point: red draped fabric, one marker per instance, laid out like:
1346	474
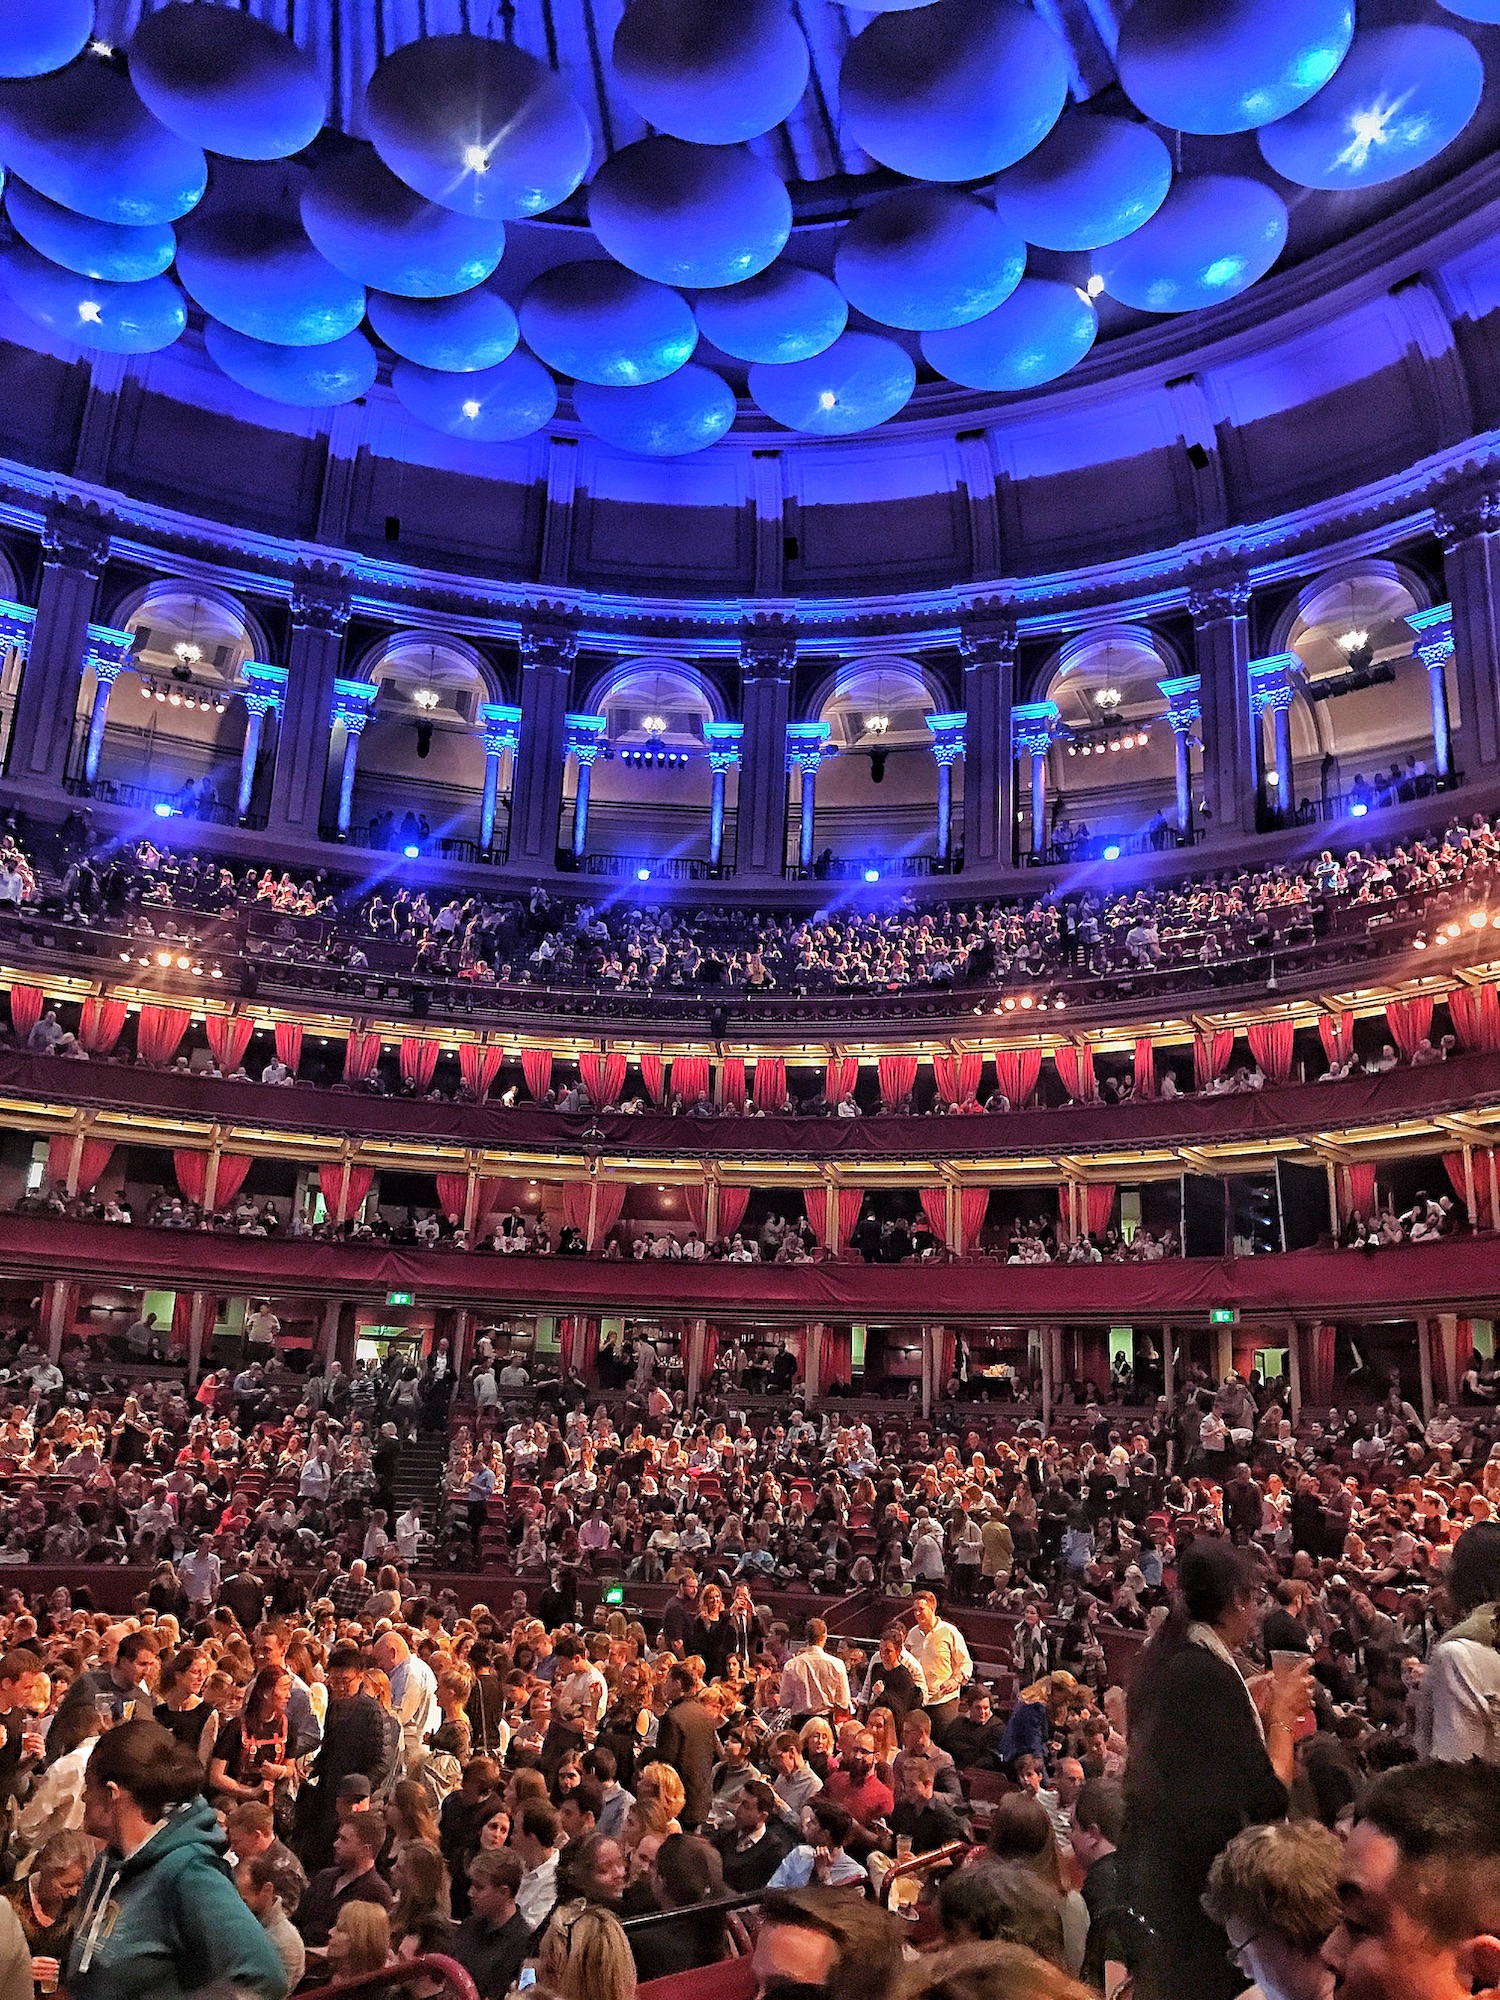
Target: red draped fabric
1453	1356
1480	1215
1145	1067
94	1158
102	1025
1476	1017
1317	1367
733	1201
418	1056
731	1079
816	1202
1271	1045
289	1044
973	1211
1076	1068
345	1190
958	1076
1336	1032
1409	1022
1016	1073
25	1010
536	1067
1211	1055
695	1197
233	1167
1101	1206
578	1339
479	1066
192	1174
835	1358
1357	1190
948	1358
361	1053
158	1033
608	1205
935	1208
690	1079
453	1194
770	1082
654	1077
840	1074
575	1205
228	1038
897	1075
603	1077
1065	1210
833	1214
710	1349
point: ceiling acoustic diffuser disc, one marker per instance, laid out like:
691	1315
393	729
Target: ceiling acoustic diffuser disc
380	232
1091	181
309	378
475	330
226	81
690	215
598	322
495	406
1212	237
85	140
479	126
117	319
1041	331
714	71
1230	65
41	35
123	253
955	91
857	383
786	314
687	412
928	257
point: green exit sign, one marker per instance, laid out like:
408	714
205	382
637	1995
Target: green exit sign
401	1298
1224	1316
614	1594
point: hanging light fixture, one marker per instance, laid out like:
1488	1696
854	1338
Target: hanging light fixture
1354	641
427	697
878	723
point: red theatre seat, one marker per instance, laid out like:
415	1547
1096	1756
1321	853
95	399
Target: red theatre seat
730	1979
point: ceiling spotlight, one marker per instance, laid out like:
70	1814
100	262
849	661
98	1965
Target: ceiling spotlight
1478	919
471	408
1112	852
216	972
827	401
872	874
1095	285
426	697
164	958
1143	737
1358	809
477	159
1108	697
1072	749
1367	130
183	964
159	693
643	874
411	851
101	48
1114	742
1059	1003
1419	942
1087	750
88	310
1026	1001
174	699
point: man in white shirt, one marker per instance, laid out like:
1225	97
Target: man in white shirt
408	1535
199	1575
261	1329
536	1839
813	1682
413	1695
939	1650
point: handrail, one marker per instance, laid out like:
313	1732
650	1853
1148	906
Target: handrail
920	1864
399	1972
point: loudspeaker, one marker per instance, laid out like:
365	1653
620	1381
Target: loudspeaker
424	738
1197	457
421	1001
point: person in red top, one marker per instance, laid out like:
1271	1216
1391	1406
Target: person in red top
854	1786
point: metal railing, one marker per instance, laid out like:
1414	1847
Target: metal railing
408	1972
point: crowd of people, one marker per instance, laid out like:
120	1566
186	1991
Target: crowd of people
1185	1694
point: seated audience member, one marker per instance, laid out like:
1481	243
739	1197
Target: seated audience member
1274	1893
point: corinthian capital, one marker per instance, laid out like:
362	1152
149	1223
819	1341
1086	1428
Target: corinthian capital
987	633
768	646
75	534
320	597
548	637
1218	593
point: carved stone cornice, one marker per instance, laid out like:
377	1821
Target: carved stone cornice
768	646
1217	591
75	535
320	598
549	637
988	633
1459	516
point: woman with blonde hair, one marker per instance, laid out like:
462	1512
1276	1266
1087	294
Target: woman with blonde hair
360	1941
588	1958
661	1782
410	1816
881	1724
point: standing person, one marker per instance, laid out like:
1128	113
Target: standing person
940	1651
413	1696
1208	1757
353	1745
159	1915
687	1739
1459	1694
813	1682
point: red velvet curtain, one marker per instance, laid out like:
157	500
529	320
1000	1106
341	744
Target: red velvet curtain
289	1044
770	1082
1101	1205
690	1079
361	1053
947	1358
344	1190
1145	1067
418	1056
958	1076
1271	1045
603	1077
1016	1073
536	1068
1317	1369
654	1077
1336	1032
575	1205
1480	1215
935	1208
1409	1022
94	1158
835	1358
578	1338
192	1174
1453	1357
25	1010
159	1031
233	1167
897	1075
733	1201
608	1206
731	1079
479	1066
1076	1068
453	1194
102	1024
228	1038
833	1214
973	1211
1357	1190
1211	1055
840	1074
1476	1017
816	1202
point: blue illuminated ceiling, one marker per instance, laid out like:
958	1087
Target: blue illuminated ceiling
1132	160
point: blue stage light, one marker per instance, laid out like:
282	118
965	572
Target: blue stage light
411	852
1112	853
872	874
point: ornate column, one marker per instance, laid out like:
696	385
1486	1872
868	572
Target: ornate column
805	745
1033	726
549	646
353	702
987	644
16	624
1220	604
320	612
263	692
501	731
583	741
723	740
1434	648
75	548
108	653
768	653
947	748
1183	710
1469	529
1273	685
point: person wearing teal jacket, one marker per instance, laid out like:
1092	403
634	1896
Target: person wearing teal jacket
159	1915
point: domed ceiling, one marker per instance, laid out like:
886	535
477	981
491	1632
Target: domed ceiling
676	211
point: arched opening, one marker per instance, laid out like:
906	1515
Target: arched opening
876	790
652	784
420	755
1112	769
1363	718
170	730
